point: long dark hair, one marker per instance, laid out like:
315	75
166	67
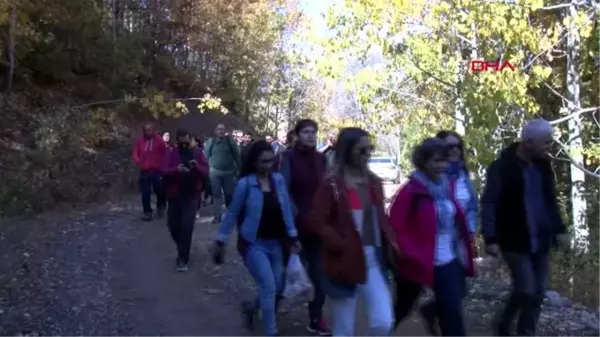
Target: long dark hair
461	144
346	141
256	149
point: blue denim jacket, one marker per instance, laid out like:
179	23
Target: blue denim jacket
248	193
471	209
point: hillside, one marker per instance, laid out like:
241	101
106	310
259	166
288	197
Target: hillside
55	155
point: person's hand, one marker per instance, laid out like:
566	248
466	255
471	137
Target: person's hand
296	247
193	162
182	169
492	250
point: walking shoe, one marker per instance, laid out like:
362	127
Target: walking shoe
147	217
427	312
216	221
248	314
181	267
318	327
160	213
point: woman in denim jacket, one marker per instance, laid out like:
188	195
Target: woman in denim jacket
266	233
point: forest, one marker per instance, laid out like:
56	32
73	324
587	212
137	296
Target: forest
78	75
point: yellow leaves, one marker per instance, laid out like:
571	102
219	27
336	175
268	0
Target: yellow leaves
543	72
157	103
211	103
536	4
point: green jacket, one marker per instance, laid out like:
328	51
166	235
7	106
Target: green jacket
223	155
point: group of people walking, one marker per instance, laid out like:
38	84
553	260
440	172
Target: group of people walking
328	207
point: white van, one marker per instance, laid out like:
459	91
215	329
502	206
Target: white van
386	169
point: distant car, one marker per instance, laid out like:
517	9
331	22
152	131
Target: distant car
385	168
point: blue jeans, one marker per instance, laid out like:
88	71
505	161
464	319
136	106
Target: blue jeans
449	288
222	187
264	260
148	182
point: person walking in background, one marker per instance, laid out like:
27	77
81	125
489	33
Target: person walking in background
278	147
521	220
262	210
348	217
185	171
245	145
290	139
166	136
223	157
303	169
434	242
148	154
329	149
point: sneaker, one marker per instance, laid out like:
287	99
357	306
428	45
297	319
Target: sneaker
318	327
160	213
147	217
248	314
181	267
216	221
427	312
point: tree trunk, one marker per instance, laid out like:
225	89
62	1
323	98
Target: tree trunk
578	202
12	27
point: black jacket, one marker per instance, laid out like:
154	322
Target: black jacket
503	214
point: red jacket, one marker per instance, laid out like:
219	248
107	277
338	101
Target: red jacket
149	154
331	220
172	176
413	218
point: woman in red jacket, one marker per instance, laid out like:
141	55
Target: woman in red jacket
348	217
434	243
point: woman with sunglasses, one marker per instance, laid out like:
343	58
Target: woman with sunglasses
434	242
348	218
262	210
458	174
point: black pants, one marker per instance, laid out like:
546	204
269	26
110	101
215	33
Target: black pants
529	273
310	255
148	182
449	287
181	215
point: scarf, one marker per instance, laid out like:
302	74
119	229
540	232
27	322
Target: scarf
439	189
444	206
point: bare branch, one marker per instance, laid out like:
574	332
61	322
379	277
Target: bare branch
548	8
574	114
574	163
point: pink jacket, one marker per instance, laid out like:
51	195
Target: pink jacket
413	218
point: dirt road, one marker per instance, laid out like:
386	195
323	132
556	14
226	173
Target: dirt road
101	271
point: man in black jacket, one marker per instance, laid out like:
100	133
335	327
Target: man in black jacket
521	220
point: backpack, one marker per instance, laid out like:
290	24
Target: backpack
212	145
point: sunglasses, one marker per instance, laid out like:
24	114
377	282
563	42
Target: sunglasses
366	150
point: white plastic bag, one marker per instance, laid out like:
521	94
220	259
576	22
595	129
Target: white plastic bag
297	283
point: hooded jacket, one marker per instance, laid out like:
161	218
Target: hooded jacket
149	153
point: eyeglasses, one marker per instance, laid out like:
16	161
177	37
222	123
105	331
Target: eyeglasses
366	150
